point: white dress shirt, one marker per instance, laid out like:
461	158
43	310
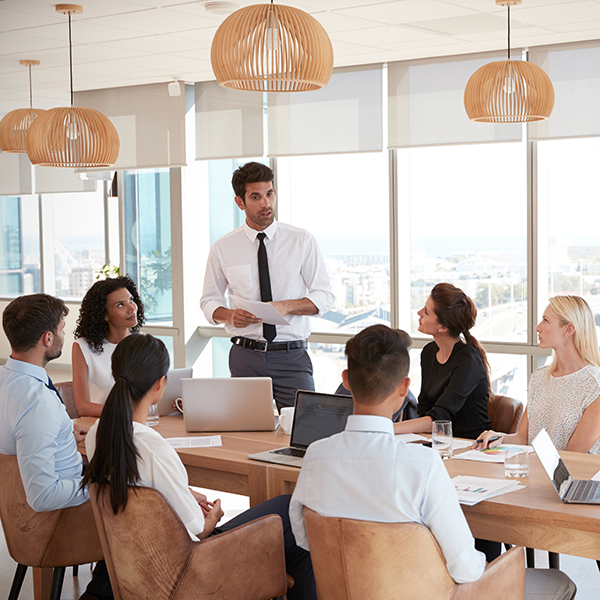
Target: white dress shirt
296	270
161	468
35	426
366	473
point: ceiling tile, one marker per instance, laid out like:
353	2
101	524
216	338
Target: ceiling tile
381	35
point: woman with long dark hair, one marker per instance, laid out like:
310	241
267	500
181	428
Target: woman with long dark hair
455	382
124	452
110	311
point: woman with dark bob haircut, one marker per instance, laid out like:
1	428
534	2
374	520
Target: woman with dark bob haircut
110	311
124	452
455	382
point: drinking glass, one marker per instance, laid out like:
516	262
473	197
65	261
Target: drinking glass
152	418
441	437
516	462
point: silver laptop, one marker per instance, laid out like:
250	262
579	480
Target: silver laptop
316	416
579	491
228	404
172	391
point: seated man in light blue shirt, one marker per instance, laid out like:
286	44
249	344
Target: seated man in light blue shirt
366	473
34	424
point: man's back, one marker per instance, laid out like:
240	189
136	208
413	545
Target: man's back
366	473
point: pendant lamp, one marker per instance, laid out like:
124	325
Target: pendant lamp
15	124
72	136
509	91
271	48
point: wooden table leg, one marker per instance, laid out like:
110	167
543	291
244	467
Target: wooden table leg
42	582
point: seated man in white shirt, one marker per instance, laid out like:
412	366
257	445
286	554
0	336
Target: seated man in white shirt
367	461
34	424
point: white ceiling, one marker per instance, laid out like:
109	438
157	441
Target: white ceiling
131	42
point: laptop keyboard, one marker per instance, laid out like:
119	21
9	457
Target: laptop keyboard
586	490
297	452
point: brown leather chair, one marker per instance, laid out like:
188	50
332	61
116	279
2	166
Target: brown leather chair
149	553
505	413
55	539
65	389
367	560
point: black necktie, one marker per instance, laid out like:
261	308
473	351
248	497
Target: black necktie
269	331
51	386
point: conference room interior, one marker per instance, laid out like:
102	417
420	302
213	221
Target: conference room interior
382	166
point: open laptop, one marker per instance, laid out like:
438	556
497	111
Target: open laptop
172	391
228	404
316	416
580	491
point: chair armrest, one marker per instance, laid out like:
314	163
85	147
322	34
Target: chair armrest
242	564
503	579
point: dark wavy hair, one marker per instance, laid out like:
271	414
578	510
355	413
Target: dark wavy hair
378	361
252	172
91	323
138	362
457	312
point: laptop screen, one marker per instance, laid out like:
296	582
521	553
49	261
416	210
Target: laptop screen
318	416
552	462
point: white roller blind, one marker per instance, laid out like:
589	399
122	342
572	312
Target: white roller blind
51	180
345	116
16	174
426	106
150	123
229	123
575	73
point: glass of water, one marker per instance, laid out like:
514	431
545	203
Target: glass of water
152	418
516	462
441	438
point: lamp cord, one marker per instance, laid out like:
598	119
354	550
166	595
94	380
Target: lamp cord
30	92
508	6
71	59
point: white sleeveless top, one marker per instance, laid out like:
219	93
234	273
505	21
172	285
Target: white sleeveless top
99	371
558	403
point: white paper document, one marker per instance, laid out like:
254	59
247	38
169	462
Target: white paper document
596	477
458	444
264	311
471	490
491	455
207	441
411	437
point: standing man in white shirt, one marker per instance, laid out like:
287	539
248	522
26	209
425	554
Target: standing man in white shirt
264	260
366	473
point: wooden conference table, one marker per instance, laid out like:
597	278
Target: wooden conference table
532	517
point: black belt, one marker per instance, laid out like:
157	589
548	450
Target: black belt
265	346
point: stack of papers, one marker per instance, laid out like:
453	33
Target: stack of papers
493	455
207	441
471	490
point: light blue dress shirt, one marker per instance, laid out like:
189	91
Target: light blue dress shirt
35	426
366	473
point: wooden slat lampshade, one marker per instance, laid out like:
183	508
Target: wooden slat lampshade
73	137
273	48
15	124
509	91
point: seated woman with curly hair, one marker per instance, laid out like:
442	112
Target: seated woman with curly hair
110	311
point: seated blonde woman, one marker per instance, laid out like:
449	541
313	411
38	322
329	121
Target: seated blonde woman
563	397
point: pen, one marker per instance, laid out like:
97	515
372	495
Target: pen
492	439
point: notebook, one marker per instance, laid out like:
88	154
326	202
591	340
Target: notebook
579	491
316	416
228	404
172	391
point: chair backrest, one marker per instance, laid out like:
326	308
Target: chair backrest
57	538
65	389
364	560
146	546
505	413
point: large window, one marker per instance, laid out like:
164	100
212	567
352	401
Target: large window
147	201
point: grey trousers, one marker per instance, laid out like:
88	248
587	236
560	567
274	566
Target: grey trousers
548	584
290	370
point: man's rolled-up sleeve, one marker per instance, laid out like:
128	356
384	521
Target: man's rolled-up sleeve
215	286
316	278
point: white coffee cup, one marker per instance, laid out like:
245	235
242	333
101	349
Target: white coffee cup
286	418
